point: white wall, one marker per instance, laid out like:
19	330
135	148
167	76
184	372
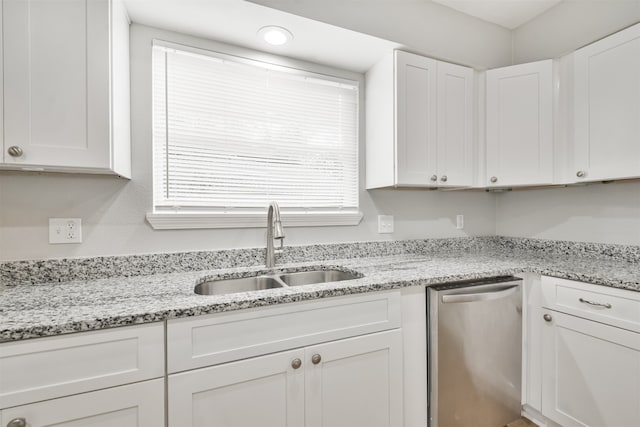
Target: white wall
570	25
605	213
421	25
113	210
596	213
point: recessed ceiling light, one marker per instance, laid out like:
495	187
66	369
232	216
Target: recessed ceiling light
276	36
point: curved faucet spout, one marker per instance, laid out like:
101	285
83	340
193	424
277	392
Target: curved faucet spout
274	231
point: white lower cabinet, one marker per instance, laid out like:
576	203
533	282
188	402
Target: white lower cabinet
590	369
48	368
591	373
351	382
532	344
133	405
112	377
260	391
357	382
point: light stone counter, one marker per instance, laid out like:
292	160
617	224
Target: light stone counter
95	301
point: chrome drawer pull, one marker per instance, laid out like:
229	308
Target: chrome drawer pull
599	304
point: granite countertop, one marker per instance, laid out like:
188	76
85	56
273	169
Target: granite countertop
46	309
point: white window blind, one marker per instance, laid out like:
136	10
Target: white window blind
234	134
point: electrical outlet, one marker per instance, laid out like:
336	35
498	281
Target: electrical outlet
459	222
385	224
65	230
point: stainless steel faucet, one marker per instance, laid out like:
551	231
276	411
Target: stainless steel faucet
274	231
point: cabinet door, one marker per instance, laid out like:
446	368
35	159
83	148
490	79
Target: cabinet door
134	405
455	126
519	125
56	82
607	108
532	343
415	120
356	382
591	373
265	391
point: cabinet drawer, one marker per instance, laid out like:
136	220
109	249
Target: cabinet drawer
218	338
46	368
617	307
133	405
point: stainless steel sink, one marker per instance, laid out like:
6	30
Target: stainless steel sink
318	276
271	281
242	284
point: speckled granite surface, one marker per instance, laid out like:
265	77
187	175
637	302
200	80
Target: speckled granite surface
62	270
35	310
599	251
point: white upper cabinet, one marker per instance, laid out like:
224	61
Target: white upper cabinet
520	125
415	120
419	123
66	86
607	108
455	165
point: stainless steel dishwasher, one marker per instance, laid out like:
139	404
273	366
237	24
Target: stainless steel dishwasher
475	353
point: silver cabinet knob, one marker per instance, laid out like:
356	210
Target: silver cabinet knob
581	174
443	178
547	317
494	179
434	178
315	359
296	363
17	422
15	151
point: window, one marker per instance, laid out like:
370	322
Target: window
232	134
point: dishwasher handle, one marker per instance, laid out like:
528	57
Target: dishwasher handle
495	293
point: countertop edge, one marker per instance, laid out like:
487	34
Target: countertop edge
264	299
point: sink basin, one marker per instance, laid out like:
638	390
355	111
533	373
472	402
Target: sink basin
318	276
271	281
242	284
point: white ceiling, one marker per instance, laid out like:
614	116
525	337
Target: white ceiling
506	13
237	22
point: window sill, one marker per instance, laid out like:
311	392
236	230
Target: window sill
193	220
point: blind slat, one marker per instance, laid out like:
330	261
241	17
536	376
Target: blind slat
238	135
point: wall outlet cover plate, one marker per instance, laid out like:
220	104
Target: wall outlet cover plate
65	230
385	224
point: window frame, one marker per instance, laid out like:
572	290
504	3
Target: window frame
195	218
